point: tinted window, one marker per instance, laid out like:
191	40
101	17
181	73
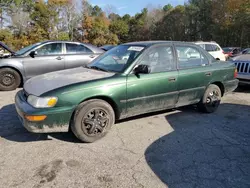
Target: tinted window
77	49
50	49
190	57
227	49
209	47
159	59
246	51
215	47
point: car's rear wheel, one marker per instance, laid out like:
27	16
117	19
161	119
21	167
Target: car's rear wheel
9	79
92	120
211	99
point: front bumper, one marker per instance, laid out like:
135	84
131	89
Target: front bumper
57	119
231	85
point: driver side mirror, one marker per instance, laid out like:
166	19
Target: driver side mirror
142	69
33	54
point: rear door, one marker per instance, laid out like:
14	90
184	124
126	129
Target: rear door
156	90
49	58
194	74
77	55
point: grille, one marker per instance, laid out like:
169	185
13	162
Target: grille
243	67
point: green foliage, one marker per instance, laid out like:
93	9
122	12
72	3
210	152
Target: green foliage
167	7
63	36
120	28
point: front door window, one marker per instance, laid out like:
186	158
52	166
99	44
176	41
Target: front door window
159	59
50	49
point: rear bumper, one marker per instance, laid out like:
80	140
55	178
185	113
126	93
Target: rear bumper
244	78
231	85
243	81
57	119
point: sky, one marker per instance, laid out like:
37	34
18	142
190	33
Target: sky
133	6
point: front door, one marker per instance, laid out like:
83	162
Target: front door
194	74
78	55
156	90
49	58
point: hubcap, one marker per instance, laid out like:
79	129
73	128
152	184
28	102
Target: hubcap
213	99
8	79
95	122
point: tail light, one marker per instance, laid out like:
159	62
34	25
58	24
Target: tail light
235	73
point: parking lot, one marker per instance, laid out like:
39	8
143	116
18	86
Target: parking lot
175	148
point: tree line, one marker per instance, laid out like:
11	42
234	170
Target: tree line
24	22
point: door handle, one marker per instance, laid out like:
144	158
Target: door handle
208	73
91	56
172	79
59	58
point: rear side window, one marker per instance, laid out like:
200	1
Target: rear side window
76	49
209	47
189	57
215	47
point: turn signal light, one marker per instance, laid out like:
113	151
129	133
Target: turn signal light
235	73
35	118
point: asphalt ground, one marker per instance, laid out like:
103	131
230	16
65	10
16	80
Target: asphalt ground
178	148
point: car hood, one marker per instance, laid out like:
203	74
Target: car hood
41	84
7	48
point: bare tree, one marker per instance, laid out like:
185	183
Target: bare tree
109	9
70	16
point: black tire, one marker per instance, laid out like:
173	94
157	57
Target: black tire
9	79
210	100
92	115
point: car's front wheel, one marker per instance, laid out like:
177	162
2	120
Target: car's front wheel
92	120
9	79
211	99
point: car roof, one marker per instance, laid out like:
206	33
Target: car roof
201	42
231	47
92	47
154	42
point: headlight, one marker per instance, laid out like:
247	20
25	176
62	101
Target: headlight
42	102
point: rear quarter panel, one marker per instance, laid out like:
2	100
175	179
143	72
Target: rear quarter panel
222	72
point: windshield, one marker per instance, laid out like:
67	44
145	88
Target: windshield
27	48
118	58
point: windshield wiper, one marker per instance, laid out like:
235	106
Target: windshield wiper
98	68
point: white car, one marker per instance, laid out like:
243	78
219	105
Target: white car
214	49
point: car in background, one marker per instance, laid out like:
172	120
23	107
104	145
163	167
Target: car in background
231	51
245	51
213	48
43	57
107	47
242	62
157	75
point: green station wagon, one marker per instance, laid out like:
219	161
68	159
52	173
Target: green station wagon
130	79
